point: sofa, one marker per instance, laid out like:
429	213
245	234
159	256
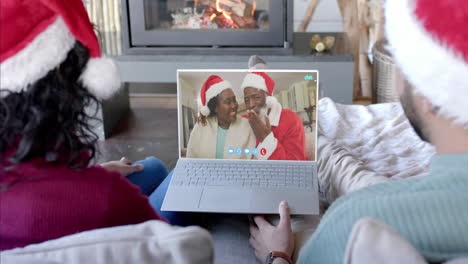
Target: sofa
357	146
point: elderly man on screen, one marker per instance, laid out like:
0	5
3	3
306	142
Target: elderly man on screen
279	132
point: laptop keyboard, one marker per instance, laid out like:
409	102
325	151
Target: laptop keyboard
255	174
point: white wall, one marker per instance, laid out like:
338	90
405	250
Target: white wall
326	18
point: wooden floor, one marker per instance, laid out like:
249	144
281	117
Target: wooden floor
143	132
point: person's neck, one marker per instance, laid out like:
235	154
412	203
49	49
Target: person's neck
223	124
450	139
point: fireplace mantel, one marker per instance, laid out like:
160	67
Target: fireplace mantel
336	67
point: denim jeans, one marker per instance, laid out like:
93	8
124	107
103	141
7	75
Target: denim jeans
153	181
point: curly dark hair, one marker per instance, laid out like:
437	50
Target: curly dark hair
212	104
50	118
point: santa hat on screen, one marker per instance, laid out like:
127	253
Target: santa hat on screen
35	38
262	81
428	40
213	86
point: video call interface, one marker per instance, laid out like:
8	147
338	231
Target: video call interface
238	114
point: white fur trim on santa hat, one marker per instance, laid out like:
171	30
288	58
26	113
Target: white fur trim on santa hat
255	81
44	53
101	77
212	92
205	111
216	89
270	101
275	110
434	69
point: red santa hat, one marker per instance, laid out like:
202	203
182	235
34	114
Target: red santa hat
213	86
36	36
428	40
261	81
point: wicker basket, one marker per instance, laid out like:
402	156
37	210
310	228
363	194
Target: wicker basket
383	75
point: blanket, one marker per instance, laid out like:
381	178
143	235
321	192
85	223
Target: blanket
360	146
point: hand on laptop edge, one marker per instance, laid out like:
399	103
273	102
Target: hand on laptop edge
265	238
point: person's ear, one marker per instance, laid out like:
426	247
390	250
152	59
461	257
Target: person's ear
426	105
427	108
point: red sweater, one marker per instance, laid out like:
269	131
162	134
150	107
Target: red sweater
56	201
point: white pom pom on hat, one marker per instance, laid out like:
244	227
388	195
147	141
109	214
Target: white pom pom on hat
36	36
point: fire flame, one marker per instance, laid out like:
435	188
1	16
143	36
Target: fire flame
226	16
254	7
225	13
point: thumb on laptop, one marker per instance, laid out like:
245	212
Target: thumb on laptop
284	212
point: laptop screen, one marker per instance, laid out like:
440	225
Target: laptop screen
248	114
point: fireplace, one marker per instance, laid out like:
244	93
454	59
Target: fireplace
207	26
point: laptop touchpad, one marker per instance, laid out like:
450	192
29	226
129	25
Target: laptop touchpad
225	199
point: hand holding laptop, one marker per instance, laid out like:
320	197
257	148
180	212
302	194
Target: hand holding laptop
266	238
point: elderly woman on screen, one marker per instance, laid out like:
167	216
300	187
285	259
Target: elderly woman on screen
226	131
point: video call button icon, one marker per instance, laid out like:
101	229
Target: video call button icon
246	151
231	151
239	151
255	151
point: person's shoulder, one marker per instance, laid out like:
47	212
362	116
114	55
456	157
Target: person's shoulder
244	121
110	180
394	191
211	122
287	112
62	175
94	175
289	116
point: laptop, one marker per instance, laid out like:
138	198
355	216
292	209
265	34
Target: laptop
239	179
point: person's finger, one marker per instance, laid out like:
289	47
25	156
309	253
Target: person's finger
253	231
267	122
129	169
137	167
253	242
125	161
251	122
254	115
284	212
261	222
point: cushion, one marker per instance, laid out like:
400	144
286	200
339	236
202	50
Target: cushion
149	242
372	241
